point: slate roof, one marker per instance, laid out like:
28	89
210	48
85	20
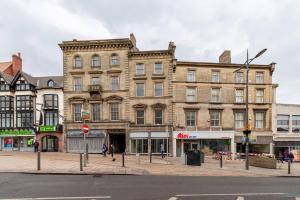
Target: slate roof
42	82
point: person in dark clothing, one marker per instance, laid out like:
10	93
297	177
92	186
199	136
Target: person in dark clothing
162	150
36	146
104	149
112	147
291	156
280	157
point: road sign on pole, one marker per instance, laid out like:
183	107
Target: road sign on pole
85	129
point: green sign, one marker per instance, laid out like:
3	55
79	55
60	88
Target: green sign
85	115
16	132
47	128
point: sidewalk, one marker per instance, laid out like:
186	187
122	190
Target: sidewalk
66	163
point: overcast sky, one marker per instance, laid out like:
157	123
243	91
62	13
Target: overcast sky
201	30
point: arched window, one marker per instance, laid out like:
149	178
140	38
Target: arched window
50	83
77	62
114	59
96	61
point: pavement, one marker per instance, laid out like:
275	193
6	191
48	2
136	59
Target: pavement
67	163
17	186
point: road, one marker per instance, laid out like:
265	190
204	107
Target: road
59	187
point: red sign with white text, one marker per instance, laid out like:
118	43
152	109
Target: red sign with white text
182	135
85	128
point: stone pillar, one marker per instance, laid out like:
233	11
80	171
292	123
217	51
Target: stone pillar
233	148
271	148
174	147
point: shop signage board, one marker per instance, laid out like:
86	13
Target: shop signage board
85	115
47	128
16	132
203	134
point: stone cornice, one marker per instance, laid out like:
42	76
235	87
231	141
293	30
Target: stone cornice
151	53
212	65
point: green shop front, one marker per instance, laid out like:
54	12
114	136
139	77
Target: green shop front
50	138
16	140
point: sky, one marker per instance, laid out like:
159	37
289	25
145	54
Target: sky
201	30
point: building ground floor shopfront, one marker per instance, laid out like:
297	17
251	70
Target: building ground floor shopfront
50	139
210	141
284	145
16	140
145	142
259	143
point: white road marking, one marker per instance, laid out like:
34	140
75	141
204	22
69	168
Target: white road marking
232	194
173	198
61	198
240	198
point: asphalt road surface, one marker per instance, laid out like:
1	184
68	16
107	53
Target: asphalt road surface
89	187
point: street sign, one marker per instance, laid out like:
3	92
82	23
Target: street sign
85	115
85	129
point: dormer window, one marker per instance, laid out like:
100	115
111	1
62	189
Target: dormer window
50	83
3	85
114	60
77	62
96	61
22	84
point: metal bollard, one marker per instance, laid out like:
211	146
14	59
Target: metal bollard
87	152
200	158
289	166
221	161
150	156
123	159
38	160
81	167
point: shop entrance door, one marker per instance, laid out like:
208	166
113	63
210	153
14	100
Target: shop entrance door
187	146
16	144
50	143
118	140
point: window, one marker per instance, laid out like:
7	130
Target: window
22	84
158	68
6	111
114	111
156	143
239	119
77	84
95	81
139	145
25	119
215	76
24	102
50	83
115	83
215	118
259	96
77	112
114	59
95	107
259	77
259	119
215	94
6	103
6	120
139	69
3	85
191	76
51	117
296	123
140	116
158	89
239	77
140	89
95	61
283	123
158	116
191	94
239	95
190	118
77	62
51	101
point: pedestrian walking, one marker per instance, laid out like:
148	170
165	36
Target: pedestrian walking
112	147
162	151
280	157
104	149
291	156
36	146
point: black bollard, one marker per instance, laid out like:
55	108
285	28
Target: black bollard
87	152
289	166
123	159
221	161
38	160
150	156
80	159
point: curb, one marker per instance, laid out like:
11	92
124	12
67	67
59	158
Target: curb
73	173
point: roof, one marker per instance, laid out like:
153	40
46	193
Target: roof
42	82
4	66
6	77
28	78
189	63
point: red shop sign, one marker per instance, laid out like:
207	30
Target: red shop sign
182	135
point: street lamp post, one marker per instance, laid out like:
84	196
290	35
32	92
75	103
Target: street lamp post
247	129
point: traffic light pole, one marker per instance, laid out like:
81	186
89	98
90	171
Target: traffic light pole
247	114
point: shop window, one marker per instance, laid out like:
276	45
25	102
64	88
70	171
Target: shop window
296	123
283	122
139	145
155	145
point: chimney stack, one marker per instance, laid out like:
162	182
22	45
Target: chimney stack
16	63
225	57
133	40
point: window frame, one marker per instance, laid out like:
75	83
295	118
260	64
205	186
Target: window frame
161	90
188	77
114	59
239	79
158	117
282	127
218	96
77	116
77	59
77	87
191	95
189	121
241	98
54	99
93	61
212	120
95	116
257	80
259	99
139	72
162	68
137	117
218	72
243	113
116	111
115	86
54	117
263	120
137	89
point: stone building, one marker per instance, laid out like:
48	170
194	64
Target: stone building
121	89
209	101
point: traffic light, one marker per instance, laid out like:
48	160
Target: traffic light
247	132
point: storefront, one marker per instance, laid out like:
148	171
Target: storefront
258	144
146	142
286	145
50	139
95	139
213	141
17	140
